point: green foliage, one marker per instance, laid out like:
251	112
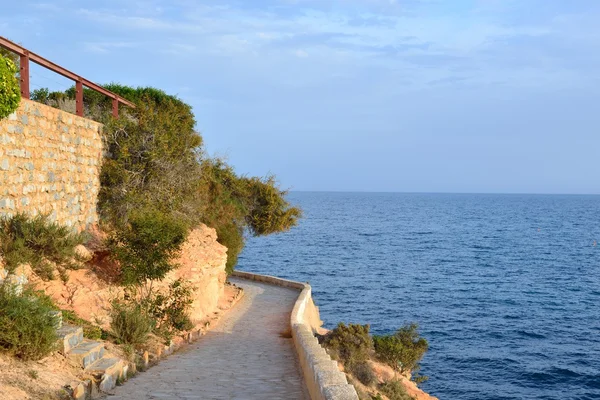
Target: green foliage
231	236
155	159
37	241
403	350
394	390
146	246
40	95
27	329
152	162
351	344
267	210
14	57
232	204
170	309
130	323
363	372
10	92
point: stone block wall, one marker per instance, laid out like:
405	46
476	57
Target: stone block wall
50	163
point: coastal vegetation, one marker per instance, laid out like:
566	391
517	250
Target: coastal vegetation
27	324
42	244
354	347
130	323
394	390
403	350
157	183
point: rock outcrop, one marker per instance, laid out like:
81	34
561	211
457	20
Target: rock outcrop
201	263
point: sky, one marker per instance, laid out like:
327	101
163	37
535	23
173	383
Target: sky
498	96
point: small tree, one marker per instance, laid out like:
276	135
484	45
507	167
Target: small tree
146	247
403	350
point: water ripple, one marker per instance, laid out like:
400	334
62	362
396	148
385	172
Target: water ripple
505	287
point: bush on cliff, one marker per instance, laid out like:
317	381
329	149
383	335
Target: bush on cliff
170	309
152	161
146	247
38	242
155	158
10	92
403	350
27	327
352	345
349	343
234	205
394	390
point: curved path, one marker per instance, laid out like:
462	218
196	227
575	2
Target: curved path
243	357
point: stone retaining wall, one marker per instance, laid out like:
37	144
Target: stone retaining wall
322	376
50	163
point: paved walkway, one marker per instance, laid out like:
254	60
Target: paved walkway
242	358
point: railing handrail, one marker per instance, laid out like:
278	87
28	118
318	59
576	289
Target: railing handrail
26	56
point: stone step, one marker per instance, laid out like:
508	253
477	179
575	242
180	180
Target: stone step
86	353
69	337
109	370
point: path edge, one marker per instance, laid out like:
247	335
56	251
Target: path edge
322	376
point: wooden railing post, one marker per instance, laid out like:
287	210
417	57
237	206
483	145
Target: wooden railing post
24	72
79	98
115	106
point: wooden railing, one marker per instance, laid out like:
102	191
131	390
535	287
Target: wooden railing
25	56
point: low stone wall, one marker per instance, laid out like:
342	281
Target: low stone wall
322	376
50	163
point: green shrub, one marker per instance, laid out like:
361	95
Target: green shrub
363	372
156	159
130	323
27	329
152	160
40	95
403	350
170	309
146	247
38	242
233	204
231	236
394	390
268	211
351	344
10	92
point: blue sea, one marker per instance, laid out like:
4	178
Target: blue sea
506	288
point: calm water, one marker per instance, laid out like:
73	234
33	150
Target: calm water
506	288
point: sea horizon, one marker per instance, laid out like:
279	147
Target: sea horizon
453	193
504	287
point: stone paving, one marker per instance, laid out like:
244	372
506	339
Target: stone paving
243	357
